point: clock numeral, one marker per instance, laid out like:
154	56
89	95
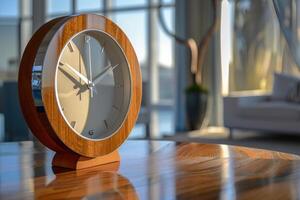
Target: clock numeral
73	123
71	49
91	132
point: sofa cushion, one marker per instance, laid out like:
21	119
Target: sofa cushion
283	85
294	95
271	110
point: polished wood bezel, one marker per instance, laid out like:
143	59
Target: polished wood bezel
61	131
37	121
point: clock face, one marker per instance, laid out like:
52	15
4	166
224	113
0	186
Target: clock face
93	85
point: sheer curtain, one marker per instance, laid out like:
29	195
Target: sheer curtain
265	38
288	16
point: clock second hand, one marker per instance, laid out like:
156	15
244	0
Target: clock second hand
103	73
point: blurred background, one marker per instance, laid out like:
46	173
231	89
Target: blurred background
246	48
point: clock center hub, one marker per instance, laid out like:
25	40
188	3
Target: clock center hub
91	85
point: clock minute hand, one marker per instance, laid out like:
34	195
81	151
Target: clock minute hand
85	79
103	73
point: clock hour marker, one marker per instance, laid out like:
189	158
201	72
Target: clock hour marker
106	124
102	49
115	107
87	38
70	47
73	123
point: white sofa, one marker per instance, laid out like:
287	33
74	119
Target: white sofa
278	111
257	112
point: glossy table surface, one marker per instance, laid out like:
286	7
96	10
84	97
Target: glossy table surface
153	170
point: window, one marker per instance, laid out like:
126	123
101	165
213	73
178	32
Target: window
15	31
9	14
8	39
9	8
132	3
166	58
88	5
58	7
134	25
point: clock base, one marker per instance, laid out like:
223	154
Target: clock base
79	162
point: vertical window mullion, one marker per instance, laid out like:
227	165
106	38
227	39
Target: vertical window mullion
38	14
25	23
73	6
108	4
153	78
20	15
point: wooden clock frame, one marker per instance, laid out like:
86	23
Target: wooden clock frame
49	126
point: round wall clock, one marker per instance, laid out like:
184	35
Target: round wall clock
80	88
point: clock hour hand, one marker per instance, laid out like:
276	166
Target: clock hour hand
85	79
104	72
77	84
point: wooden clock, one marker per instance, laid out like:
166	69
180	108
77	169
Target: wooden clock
80	89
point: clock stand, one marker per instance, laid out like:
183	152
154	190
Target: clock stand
73	161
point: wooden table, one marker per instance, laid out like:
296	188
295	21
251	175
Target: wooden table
153	170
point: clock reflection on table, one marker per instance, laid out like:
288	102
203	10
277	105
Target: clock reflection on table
101	182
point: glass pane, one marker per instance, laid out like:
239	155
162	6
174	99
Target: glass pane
89	5
162	123
134	26
139	131
12	124
166	57
168	1
26	32
9	40
166	122
126	3
9	8
58	6
165	43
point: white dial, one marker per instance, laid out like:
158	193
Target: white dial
93	85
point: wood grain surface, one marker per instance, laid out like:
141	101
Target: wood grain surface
61	136
153	170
